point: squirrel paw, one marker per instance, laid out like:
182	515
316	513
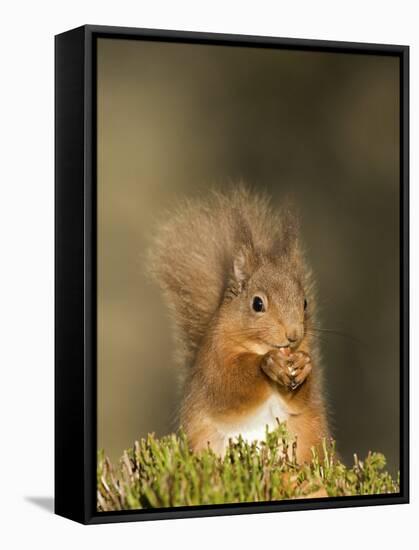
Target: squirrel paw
287	370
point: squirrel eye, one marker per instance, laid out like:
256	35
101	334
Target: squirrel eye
305	304
258	304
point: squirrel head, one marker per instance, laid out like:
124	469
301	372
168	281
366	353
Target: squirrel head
266	304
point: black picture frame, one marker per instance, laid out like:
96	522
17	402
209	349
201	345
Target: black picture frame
75	273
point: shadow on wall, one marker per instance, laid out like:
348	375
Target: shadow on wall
45	503
176	119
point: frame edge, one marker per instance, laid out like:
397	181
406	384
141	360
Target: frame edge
69	275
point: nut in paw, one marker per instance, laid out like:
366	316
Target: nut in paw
288	369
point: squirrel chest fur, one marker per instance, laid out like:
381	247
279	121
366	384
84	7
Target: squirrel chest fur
251	426
242	301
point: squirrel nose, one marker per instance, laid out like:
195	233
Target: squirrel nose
292	334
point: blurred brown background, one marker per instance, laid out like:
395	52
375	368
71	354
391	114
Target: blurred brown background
175	119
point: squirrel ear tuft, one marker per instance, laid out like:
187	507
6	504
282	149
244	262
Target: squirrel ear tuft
290	233
288	244
242	265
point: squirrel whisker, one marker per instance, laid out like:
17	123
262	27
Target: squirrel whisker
339	333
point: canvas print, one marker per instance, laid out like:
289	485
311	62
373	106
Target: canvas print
248	274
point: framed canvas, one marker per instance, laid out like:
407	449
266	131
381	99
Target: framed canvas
231	274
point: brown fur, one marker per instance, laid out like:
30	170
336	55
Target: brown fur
211	258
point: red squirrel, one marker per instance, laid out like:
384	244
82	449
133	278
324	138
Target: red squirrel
242	300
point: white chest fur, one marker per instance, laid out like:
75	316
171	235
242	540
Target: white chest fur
253	426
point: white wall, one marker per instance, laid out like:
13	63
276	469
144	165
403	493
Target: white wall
26	273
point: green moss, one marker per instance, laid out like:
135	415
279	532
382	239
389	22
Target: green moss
165	472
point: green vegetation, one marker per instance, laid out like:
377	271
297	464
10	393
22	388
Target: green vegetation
164	472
